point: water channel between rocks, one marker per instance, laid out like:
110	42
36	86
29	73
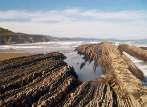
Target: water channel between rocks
86	72
73	59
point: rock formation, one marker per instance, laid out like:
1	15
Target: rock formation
46	80
145	48
35	80
122	79
135	51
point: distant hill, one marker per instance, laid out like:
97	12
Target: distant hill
10	37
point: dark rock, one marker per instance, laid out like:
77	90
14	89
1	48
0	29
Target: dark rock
31	80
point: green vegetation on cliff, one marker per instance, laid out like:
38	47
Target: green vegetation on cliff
9	37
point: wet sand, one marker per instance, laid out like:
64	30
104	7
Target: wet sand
13	54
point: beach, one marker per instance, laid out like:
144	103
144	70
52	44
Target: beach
11	54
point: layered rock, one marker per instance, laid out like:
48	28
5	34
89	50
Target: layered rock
145	48
135	51
122	78
35	80
46	80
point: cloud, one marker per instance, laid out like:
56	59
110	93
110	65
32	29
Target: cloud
77	22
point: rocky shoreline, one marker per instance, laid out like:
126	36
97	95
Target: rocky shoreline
120	74
46	80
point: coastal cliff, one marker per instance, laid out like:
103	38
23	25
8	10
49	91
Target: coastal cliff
9	37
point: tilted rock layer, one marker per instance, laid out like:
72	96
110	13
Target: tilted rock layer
121	77
135	51
35	80
46	80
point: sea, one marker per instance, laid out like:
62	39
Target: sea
73	59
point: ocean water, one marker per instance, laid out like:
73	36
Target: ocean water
73	59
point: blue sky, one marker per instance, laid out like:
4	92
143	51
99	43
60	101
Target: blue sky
85	4
122	19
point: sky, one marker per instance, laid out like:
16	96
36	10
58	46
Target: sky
120	19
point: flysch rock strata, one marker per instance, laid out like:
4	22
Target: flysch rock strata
45	80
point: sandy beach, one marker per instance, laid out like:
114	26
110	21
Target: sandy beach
12	54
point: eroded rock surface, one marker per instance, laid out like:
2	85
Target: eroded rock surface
47	81
135	51
43	79
121	77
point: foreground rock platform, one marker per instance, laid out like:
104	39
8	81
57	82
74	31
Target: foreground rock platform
122	80
45	80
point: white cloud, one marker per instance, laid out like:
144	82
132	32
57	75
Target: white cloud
76	22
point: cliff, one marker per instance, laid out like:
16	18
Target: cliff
9	37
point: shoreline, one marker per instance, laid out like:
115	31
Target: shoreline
5	55
47	80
